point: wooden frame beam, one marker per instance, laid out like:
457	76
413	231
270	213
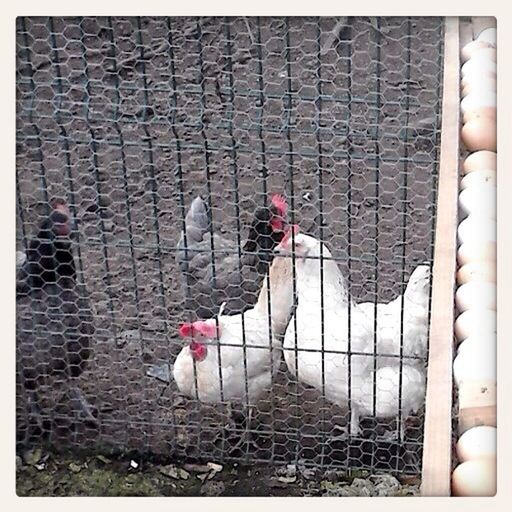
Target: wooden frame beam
437	450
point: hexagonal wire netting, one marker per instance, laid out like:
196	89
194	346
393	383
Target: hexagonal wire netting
128	120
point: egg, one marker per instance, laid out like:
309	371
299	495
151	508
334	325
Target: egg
469	49
475	478
479	66
480	160
474	364
476	322
477	229
488	36
471	252
479	201
479	85
485	342
480	133
476	295
477	271
477	442
476	345
475	75
480	113
478	178
475	101
484	54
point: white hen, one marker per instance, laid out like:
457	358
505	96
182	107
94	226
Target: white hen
413	326
323	365
326	364
262	351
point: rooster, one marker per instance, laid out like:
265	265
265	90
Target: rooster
316	343
245	348
236	284
54	321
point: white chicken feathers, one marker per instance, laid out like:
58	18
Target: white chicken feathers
415	318
262	348
304	331
388	400
303	339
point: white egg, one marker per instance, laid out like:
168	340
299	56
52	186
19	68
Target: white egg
488	36
478	85
475	101
471	252
475	477
477	442
474	365
476	323
478	178
469	49
476	345
477	271
479	201
476	228
482	66
484	54
477	75
476	295
479	160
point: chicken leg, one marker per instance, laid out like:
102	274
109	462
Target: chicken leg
245	437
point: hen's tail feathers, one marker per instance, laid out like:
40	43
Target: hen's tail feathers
196	225
417	290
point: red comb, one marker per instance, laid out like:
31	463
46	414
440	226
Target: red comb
186	330
280	203
287	235
207	328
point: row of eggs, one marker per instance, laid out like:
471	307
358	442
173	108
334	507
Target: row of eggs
475	297
478	85
475	327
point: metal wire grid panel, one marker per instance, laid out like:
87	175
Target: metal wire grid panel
130	119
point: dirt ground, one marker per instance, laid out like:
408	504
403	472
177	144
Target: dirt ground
79	475
130	119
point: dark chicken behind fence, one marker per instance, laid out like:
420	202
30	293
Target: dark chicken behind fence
237	287
49	253
54	325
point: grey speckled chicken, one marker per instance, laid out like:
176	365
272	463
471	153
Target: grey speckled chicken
54	323
235	285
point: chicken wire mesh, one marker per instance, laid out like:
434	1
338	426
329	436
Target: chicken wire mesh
128	120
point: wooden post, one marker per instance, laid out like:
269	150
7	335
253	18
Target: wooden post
437	450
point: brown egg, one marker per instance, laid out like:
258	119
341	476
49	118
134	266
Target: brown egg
480	113
480	160
480	134
471	252
468	50
475	477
